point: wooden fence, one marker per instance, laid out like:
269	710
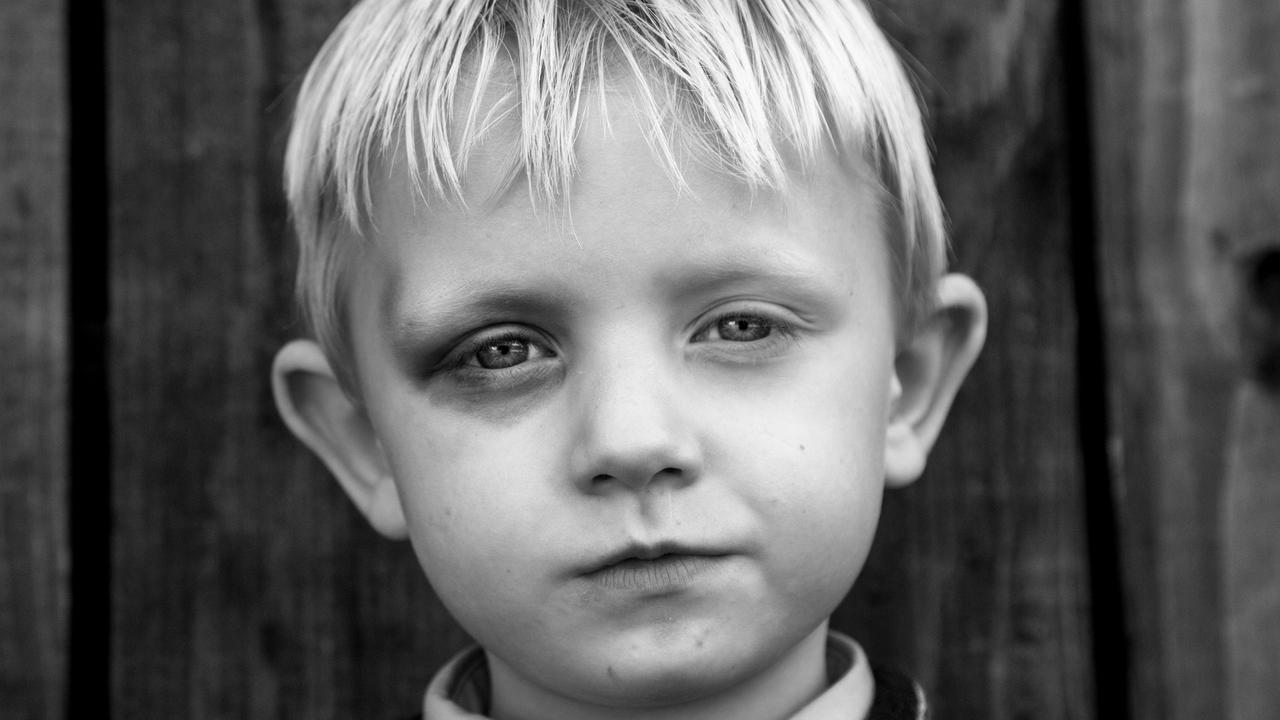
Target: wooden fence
1095	536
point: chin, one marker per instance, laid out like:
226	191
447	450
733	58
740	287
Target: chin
660	687
673	676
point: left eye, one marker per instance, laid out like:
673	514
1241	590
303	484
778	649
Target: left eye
743	328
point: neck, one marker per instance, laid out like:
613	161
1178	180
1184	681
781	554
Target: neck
776	692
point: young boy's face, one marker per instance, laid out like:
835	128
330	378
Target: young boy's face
639	445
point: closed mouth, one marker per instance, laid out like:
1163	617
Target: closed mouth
653	570
667	572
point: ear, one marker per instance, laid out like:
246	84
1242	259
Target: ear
338	431
928	371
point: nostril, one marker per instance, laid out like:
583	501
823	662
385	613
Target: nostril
638	479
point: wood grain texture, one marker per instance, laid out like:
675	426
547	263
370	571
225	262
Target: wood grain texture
34	552
244	584
1188	163
1251	554
979	581
1235	201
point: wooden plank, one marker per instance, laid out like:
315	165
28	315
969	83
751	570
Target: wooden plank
1233	192
1188	169
979	581
1251	554
244	584
34	552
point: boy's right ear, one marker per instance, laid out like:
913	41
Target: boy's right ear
338	431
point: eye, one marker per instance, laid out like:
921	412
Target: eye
502	351
743	328
497	362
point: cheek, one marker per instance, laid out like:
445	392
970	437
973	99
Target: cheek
476	495
454	486
824	423
822	536
831	505
817	477
465	505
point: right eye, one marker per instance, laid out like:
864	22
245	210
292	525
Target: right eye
501	351
501	354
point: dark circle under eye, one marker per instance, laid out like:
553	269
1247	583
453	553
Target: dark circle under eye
500	354
743	328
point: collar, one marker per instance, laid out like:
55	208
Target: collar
460	690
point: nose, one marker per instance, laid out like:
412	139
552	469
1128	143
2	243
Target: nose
634	427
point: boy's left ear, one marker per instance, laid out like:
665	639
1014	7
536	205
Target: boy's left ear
928	371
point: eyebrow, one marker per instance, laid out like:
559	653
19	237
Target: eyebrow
459	307
769	267
699	278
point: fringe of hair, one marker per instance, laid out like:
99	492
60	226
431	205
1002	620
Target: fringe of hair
752	79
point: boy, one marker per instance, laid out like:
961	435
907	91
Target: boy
625	313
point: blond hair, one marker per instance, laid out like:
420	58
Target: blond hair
756	79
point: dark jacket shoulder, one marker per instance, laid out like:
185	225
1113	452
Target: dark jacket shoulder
897	697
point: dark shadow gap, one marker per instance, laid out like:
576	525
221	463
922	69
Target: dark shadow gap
89	464
1111	660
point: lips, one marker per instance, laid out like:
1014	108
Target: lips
653	569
